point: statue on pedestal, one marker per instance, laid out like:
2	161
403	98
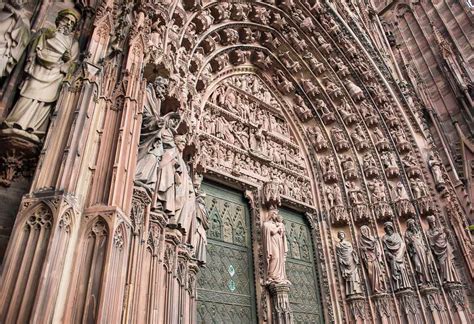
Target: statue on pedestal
53	50
348	264
395	248
276	247
14	35
371	254
150	148
418	252
442	250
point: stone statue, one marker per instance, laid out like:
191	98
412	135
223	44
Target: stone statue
435	166
395	248
151	147
169	165
418	252
371	255
53	50
442	250
275	246
348	262
14	35
200	226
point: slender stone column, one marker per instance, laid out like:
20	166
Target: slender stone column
281	312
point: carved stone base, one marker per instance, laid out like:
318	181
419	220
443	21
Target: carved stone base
382	210
371	121
18	154
358	306
328	118
338	215
281	312
405	208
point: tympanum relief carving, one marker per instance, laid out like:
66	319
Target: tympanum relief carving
244	133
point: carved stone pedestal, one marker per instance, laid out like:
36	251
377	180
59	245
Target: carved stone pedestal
281	312
409	306
358	307
18	153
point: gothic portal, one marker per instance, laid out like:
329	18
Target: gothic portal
189	161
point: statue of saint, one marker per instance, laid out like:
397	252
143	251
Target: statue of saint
348	263
201	224
418	252
276	247
150	148
169	164
442	250
52	52
371	254
14	35
435	166
395	248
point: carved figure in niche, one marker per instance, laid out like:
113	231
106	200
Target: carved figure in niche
322	107
169	170
442	250
360	138
350	49
348	167
283	84
224	129
419	188
365	109
377	190
151	147
371	254
355	91
369	165
402	144
339	140
355	193
262	60
389	163
53	52
412	165
278	22
317	139
310	88
275	247
418	252
199	227
14	35
395	248
301	109
324	46
315	65
328	167
339	66
289	63
348	264
435	166
332	89
345	108
334	195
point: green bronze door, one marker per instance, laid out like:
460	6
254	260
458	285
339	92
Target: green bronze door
226	286
301	271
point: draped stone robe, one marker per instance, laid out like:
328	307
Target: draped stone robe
418	254
276	247
150	148
45	72
372	257
14	37
348	261
395	249
444	254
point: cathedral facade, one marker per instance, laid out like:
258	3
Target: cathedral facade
277	161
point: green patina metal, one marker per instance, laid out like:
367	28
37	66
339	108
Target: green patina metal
226	291
305	299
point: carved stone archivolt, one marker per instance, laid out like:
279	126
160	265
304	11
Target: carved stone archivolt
294	101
